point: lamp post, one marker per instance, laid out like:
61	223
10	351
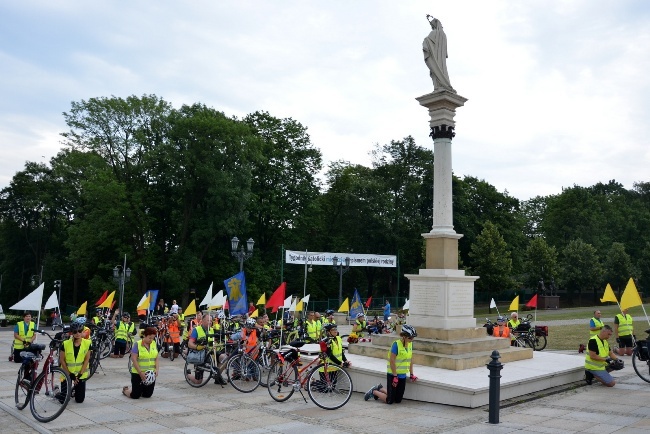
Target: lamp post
241	254
121	276
341	268
304	288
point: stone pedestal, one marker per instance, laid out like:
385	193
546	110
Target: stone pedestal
549	302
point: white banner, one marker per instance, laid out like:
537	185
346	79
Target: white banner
326	258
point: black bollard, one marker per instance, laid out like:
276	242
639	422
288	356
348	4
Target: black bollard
495	368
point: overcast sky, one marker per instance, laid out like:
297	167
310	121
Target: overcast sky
558	91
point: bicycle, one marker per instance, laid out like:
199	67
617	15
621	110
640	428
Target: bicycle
641	358
329	386
242	370
210	365
527	336
44	392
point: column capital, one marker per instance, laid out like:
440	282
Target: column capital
442	132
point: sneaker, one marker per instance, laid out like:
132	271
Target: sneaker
589	377
370	393
379	387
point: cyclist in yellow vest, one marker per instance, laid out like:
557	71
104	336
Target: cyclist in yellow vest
123	329
398	366
335	353
599	357
74	357
329	318
595	324
144	370
623	330
360	325
23	335
513	323
198	341
313	327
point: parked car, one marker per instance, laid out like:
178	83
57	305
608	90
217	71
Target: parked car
3	318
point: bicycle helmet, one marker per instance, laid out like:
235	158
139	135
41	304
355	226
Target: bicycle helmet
329	327
126	314
76	327
409	331
360	315
81	320
616	365
329	312
250	322
221	315
501	318
149	378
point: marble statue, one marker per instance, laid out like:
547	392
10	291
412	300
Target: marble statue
434	47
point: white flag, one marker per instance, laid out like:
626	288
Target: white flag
406	305
292	308
305	299
51	302
208	297
493	304
287	302
32	301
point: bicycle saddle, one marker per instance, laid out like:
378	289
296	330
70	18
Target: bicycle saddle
34	348
296	344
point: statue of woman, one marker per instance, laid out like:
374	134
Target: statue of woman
434	47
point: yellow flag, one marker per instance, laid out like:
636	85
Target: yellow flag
191	308
299	306
255	314
262	299
630	297
146	303
345	307
109	301
609	295
82	308
514	306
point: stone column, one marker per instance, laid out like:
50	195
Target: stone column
441	296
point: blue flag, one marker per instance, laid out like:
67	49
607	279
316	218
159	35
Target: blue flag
154	298
236	289
356	306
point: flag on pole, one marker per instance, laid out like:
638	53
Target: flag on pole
368	302
208	296
102	298
51	302
82	308
237	298
630	297
108	301
255	314
514	306
145	301
345	307
356	307
32	301
287	303
305	299
191	308
299	306
292	307
219	300
407	304
532	302
277	298
609	295
493	304
262	300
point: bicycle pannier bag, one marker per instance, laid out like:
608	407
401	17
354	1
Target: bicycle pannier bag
196	357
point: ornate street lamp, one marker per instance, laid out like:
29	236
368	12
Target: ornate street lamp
121	276
341	268
241	254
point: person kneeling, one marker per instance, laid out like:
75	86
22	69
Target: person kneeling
144	358
600	359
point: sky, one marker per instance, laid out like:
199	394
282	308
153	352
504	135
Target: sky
558	91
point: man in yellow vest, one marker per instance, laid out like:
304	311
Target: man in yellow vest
595	324
74	357
313	327
23	335
623	330
600	359
513	323
398	366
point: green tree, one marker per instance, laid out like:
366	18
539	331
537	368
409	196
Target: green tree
580	268
492	262
618	267
540	262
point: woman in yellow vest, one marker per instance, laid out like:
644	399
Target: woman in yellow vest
398	366
144	358
74	357
23	335
335	352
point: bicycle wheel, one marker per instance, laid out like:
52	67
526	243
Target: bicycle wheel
198	375
641	367
265	360
540	343
93	364
281	380
104	349
129	344
48	399
331	388
170	347
243	373
22	390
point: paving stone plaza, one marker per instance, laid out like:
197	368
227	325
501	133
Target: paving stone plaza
178	408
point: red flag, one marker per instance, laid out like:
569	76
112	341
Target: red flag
368	302
532	302
225	306
275	309
277	298
102	298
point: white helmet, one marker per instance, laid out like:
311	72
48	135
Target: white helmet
149	378
221	315
360	315
409	331
250	322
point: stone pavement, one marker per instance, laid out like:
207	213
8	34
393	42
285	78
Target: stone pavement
178	408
